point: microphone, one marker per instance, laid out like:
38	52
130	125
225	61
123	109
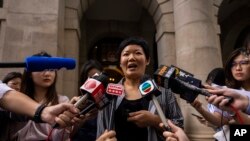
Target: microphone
99	92
34	63
93	90
150	90
113	90
181	82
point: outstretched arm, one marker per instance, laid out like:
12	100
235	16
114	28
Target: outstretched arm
20	103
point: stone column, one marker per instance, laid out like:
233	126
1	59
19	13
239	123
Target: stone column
71	40
165	34
197	51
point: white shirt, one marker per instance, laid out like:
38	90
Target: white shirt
3	89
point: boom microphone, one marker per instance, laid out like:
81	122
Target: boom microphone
34	63
150	90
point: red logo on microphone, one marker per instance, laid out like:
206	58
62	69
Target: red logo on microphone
90	84
114	89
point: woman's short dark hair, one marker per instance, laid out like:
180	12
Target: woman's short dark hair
11	75
133	41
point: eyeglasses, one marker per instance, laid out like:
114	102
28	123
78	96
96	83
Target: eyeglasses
242	63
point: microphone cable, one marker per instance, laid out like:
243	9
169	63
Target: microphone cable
222	125
237	115
49	138
50	135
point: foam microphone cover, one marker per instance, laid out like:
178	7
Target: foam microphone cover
42	63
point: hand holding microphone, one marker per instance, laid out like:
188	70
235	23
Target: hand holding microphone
181	82
97	94
150	90
93	91
81	102
240	102
176	134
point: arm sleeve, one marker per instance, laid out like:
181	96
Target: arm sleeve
246	93
172	109
103	118
3	89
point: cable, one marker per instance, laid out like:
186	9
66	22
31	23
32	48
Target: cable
50	135
222	125
237	114
49	138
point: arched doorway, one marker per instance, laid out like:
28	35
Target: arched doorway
104	51
106	23
234	22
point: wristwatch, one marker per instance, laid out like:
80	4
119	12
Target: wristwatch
37	116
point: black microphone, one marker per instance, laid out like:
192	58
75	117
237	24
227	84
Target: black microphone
150	90
34	63
181	82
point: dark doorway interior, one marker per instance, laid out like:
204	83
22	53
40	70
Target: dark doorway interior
104	51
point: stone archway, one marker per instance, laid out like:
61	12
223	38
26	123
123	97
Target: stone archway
98	27
162	15
166	24
75	29
234	19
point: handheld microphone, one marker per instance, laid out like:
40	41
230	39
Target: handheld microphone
34	63
94	88
114	90
181	82
150	90
103	98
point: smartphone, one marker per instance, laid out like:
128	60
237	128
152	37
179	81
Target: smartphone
198	116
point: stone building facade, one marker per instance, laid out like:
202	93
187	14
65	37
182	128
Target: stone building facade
195	35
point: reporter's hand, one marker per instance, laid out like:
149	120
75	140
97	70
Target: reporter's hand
197	104
240	101
107	136
176	134
57	114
